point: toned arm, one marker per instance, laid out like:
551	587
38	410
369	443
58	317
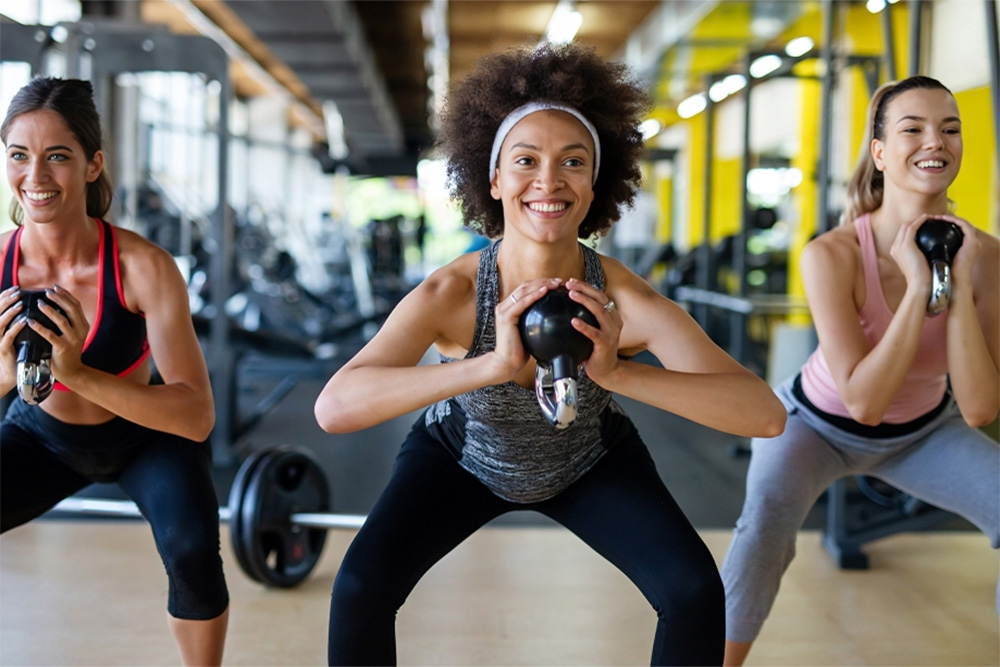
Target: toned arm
183	404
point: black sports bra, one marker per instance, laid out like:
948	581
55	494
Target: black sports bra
117	341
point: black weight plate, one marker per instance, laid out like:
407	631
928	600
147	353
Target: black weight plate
237	493
288	482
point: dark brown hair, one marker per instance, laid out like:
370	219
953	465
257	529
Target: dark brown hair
604	91
73	100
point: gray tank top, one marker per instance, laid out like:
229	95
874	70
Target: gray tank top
502	436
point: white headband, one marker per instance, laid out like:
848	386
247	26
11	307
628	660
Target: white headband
531	107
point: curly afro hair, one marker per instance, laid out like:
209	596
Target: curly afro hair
604	91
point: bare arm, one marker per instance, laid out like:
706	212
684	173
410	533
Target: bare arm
698	381
867	378
183	405
973	330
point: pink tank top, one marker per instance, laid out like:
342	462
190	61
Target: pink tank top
927	379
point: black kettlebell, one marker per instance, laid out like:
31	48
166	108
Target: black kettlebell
34	379
939	240
548	335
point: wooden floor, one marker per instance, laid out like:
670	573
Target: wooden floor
94	593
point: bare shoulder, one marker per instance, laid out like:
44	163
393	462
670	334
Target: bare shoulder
442	308
148	270
837	249
621	283
452	283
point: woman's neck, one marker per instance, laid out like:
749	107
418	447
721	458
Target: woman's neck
900	209
519	261
60	243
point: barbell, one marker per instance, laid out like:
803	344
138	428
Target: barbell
278	515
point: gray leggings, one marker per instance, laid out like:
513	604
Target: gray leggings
946	463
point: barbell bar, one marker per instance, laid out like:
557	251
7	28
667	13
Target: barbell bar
128	509
277	515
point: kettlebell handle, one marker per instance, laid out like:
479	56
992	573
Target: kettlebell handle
556	398
940	287
34	377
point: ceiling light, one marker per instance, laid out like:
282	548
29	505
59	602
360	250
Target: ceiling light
564	23
650	128
692	106
764	65
875	6
799	46
734	83
718	91
723	88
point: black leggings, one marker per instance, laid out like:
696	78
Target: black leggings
44	460
620	508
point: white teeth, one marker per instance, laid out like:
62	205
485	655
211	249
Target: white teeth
39	196
924	164
547	208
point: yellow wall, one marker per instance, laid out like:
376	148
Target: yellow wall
727	198
805	195
974	191
664	189
696	179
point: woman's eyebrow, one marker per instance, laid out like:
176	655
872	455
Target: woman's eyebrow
949	119
532	147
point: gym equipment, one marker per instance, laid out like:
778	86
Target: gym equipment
278	514
863	509
34	378
939	240
548	335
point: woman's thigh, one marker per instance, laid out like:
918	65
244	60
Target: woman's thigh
956	468
32	479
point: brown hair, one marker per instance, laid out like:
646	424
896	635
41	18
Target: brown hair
864	191
73	100
603	91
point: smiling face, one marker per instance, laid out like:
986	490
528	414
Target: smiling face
544	176
47	168
922	148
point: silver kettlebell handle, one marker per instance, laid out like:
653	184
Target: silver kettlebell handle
940	287
34	381
556	398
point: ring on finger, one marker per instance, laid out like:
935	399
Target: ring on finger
513	297
609	306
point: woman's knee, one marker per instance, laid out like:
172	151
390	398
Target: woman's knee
694	592
193	564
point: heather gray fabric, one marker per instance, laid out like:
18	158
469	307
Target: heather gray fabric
508	444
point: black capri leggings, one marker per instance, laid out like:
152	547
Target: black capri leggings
43	460
621	508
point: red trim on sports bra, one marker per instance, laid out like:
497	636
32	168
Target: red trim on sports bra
100	290
17	254
138	362
118	273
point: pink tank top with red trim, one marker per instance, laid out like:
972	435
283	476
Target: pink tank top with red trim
927	379
117	341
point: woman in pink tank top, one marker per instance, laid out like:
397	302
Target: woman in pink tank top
874	397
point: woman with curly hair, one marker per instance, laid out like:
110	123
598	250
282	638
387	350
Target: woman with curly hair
543	148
